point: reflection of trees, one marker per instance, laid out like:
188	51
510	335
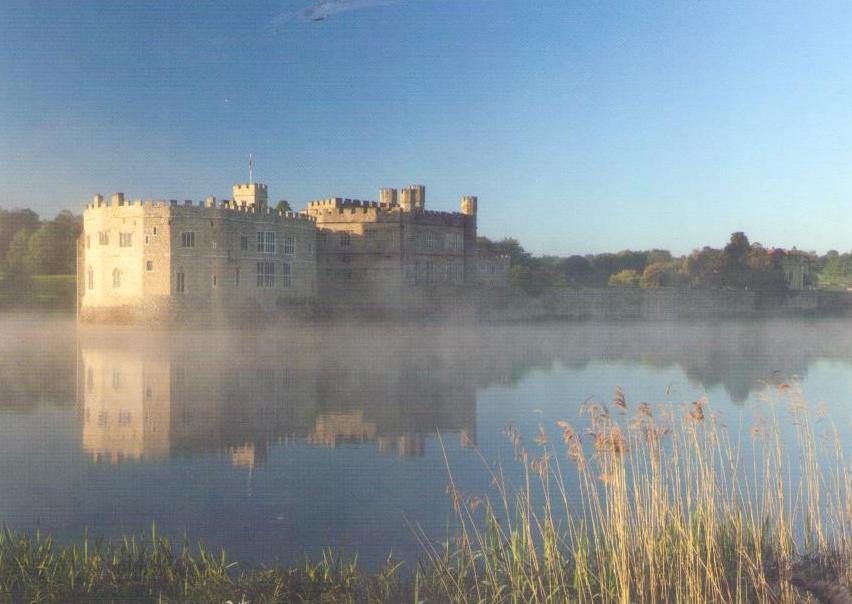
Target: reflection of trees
740	357
37	363
384	381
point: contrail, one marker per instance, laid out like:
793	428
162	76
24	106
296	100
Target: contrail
318	10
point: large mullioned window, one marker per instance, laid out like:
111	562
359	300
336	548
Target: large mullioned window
286	275
266	274
266	242
187	239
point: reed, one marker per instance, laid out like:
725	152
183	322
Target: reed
648	503
662	503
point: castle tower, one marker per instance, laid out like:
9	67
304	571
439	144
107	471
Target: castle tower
413	198
468	208
254	195
388	196
468	205
419	197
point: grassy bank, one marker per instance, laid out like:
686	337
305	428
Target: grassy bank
647	504
40	292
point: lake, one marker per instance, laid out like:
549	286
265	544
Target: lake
275	442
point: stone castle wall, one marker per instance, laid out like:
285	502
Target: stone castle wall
656	304
164	261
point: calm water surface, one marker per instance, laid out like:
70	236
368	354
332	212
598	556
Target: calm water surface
281	441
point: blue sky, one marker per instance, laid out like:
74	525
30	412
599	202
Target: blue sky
582	126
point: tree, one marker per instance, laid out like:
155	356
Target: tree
12	221
625	278
283	206
17	252
734	270
658	274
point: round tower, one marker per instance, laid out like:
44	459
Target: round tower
419	197
468	205
388	196
406	199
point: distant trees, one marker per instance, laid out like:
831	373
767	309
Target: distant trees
740	264
13	221
836	272
625	278
283	206
33	247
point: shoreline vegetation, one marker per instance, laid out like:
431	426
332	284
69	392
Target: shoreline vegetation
647	503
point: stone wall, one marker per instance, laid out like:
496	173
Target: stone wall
657	304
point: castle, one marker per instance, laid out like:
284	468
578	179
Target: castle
237	258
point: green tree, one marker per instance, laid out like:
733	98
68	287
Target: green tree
17	252
625	278
837	273
283	206
12	221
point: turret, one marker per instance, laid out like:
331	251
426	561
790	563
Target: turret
388	196
406	200
118	199
253	195
468	205
413	198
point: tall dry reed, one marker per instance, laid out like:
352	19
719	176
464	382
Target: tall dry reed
662	503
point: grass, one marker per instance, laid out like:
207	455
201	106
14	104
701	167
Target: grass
648	504
48	292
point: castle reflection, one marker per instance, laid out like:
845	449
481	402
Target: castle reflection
150	396
164	396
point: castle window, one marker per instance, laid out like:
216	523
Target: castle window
149	265
266	274
236	277
187	239
289	245
155	230
116	379
116	278
286	275
125	239
90	278
243	242
215	281
345	239
103	238
180	282
266	242
146	240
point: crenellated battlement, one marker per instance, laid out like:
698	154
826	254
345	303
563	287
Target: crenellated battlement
208	206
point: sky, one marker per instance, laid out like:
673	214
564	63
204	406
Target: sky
583	127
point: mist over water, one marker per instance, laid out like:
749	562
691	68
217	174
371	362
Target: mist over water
272	442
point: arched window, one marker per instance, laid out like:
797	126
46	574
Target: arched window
116	278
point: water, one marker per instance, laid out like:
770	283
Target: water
278	442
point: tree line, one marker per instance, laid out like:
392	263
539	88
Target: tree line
31	246
740	264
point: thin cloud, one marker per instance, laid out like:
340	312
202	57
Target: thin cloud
318	10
